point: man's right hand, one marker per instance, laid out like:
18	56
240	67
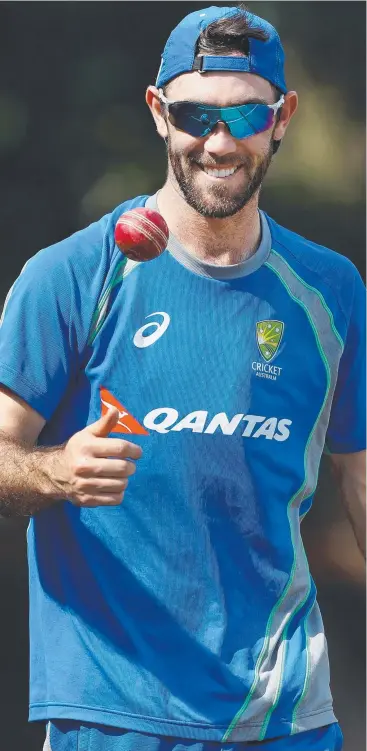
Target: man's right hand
94	470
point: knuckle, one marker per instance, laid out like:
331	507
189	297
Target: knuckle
80	465
79	443
84	448
130	449
84	500
78	483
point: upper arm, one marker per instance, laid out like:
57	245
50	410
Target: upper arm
17	418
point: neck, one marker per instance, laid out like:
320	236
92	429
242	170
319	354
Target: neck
218	241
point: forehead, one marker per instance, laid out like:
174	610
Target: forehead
220	88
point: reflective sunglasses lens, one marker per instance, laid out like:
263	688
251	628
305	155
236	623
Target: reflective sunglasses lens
243	121
248	120
191	118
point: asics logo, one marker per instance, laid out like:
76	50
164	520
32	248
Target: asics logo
142	340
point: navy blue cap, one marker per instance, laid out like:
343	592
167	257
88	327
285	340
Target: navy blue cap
266	59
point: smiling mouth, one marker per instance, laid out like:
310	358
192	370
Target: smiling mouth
219	173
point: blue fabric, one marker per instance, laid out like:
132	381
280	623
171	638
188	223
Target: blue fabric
349	404
188	611
266	58
342	287
71	736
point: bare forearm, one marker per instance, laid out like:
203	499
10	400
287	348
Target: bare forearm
89	470
27	477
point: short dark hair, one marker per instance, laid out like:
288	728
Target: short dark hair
231	34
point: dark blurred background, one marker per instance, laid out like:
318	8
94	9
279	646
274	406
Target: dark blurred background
76	139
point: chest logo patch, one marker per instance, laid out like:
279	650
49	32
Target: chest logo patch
269	334
143	339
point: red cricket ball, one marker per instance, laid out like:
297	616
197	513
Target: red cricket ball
141	234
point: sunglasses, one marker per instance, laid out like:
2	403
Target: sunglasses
242	121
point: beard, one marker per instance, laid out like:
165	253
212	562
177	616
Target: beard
221	200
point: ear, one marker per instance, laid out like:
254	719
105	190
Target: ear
153	102
287	111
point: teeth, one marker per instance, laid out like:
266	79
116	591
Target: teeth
220	172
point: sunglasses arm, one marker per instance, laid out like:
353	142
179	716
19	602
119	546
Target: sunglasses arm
163	99
275	107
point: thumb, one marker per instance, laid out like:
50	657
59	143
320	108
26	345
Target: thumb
102	427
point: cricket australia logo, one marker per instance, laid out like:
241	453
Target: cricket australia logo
269	335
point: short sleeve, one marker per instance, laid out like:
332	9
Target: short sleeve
347	425
46	318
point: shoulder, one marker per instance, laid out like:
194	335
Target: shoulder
85	251
329	274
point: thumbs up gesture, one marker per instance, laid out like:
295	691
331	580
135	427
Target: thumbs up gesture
104	426
94	470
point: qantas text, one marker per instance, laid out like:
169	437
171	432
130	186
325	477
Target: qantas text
165	419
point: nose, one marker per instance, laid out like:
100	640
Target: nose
219	141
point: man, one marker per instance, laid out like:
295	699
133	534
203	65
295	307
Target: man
185	617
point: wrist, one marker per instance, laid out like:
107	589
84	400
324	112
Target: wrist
52	473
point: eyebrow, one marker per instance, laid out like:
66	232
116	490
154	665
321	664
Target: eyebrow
251	100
